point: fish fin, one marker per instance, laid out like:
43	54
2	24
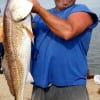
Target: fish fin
30	33
29	78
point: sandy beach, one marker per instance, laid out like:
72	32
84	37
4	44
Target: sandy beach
5	94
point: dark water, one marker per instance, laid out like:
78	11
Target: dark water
94	51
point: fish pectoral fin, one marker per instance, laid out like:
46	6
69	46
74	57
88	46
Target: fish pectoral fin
30	33
29	78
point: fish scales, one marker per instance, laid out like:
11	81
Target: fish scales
17	46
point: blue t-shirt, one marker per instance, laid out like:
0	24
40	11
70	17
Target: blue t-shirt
57	61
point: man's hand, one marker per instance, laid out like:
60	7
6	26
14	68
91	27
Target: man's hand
36	5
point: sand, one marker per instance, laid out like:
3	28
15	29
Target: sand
93	90
4	90
5	94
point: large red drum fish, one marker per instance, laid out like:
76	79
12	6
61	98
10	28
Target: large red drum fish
17	45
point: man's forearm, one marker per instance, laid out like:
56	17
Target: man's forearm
59	26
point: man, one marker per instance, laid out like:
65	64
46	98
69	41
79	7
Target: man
59	63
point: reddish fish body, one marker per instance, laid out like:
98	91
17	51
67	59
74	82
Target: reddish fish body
17	46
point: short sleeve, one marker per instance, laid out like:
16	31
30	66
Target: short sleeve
83	8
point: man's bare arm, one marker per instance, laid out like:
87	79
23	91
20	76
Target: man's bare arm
75	24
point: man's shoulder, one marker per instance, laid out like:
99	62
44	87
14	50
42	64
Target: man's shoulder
80	7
